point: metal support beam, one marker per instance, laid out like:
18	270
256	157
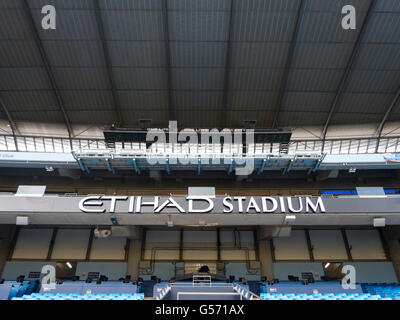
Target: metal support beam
100	26
346	245
47	67
181	244
261	169
52	242
135	166
109	166
345	79
317	165
167	166
13	126
385	244
289	167
231	167
168	59
309	245
199	167
289	62
393	104
90	243
218	244
228	67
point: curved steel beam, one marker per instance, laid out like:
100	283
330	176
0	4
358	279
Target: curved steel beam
289	61
345	79
47	67
107	60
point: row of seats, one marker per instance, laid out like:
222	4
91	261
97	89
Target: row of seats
72	296
390	290
325	296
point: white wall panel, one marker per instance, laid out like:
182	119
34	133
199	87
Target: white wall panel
328	245
293	247
157	240
71	244
32	244
108	249
365	244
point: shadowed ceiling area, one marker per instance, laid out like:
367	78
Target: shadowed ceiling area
208	63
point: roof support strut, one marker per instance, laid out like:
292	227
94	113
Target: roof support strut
228	66
394	103
107	60
168	59
289	62
47	67
345	79
13	126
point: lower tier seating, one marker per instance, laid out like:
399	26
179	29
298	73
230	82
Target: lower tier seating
390	290
72	296
324	296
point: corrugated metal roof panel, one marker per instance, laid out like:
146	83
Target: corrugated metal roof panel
195	5
137	53
193	100
307	101
322	55
74	53
198	26
24	79
253	100
379	56
81	78
365	103
256	79
300	118
133	25
383	27
29	100
374	81
197	79
323	80
140	78
198	54
71	25
151	99
263	26
19	53
259	54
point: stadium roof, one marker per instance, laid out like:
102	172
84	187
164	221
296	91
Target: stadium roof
209	63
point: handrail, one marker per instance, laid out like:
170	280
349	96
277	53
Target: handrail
163	292
244	292
368	145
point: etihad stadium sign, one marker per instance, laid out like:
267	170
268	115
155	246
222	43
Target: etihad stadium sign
201	204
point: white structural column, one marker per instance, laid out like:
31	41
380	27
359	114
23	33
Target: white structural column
265	253
134	253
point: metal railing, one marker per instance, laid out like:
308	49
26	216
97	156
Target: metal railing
334	146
